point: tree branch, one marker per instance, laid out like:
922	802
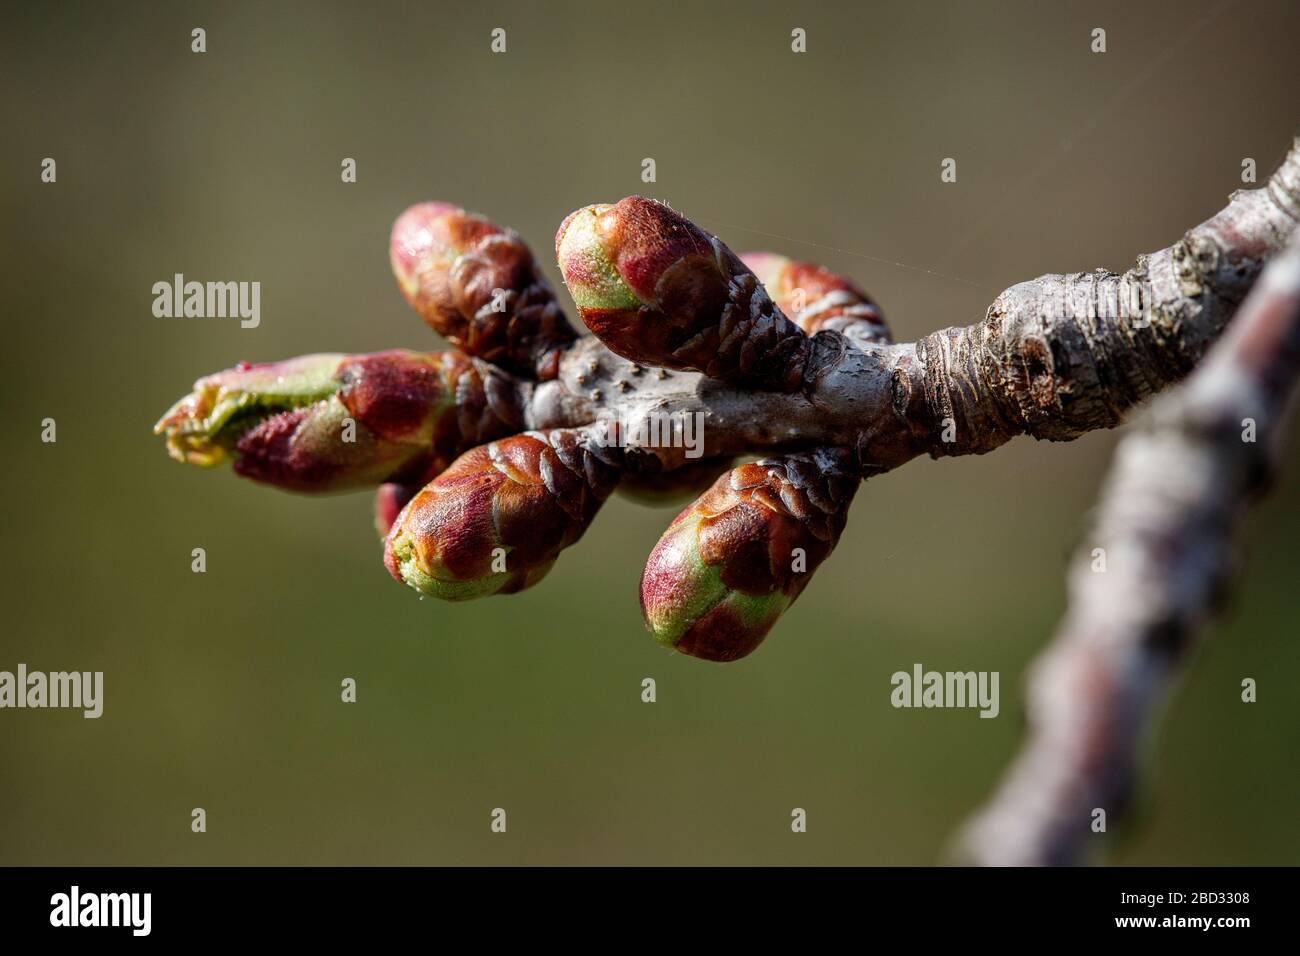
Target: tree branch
1055	357
1168	516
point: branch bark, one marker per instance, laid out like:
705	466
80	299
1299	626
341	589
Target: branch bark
1167	520
1054	357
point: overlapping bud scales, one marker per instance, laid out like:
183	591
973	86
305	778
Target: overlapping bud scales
478	286
330	422
658	290
736	558
818	299
496	520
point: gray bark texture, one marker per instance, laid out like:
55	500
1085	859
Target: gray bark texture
1166	527
1054	357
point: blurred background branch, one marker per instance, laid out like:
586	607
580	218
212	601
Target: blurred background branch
1145	582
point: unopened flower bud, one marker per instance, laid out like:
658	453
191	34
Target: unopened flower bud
658	290
330	422
478	286
737	557
818	299
497	519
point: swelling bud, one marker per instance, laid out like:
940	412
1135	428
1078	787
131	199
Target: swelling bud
658	290
736	558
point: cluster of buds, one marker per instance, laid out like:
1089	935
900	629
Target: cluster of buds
488	457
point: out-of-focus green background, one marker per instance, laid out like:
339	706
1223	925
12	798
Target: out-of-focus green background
222	689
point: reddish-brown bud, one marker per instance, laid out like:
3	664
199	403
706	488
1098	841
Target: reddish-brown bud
331	422
736	558
497	519
818	299
658	290
478	286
